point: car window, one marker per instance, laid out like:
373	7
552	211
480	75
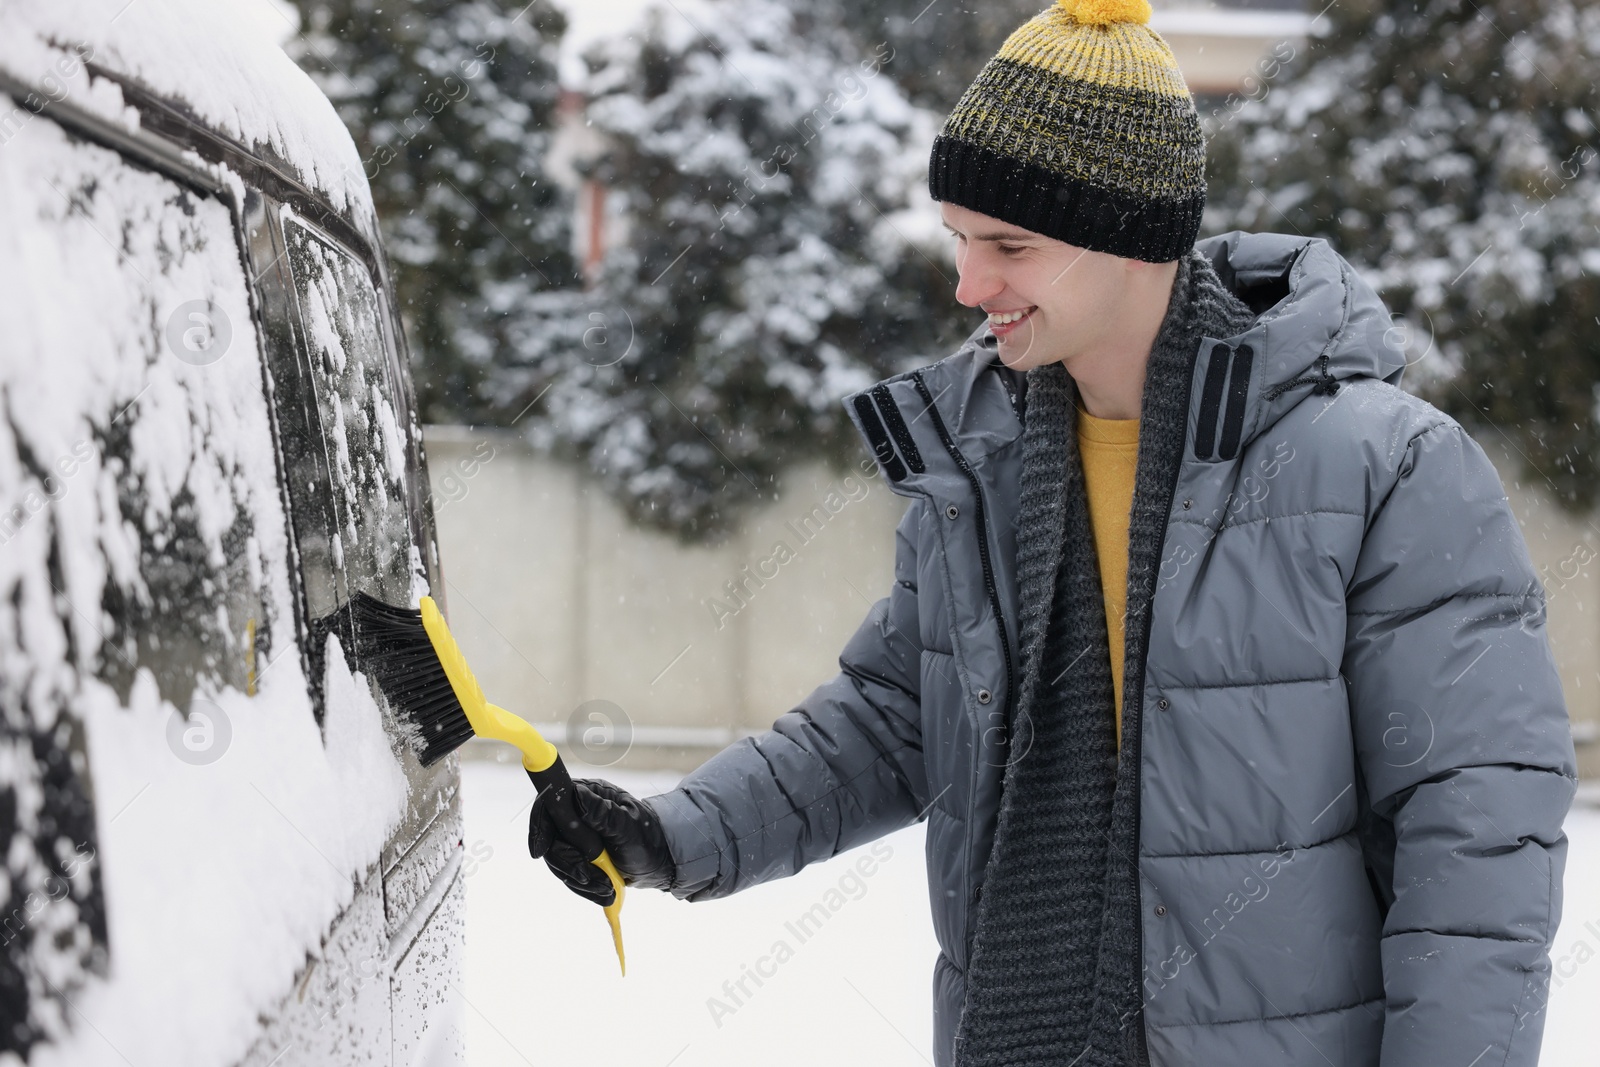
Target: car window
140	546
369	547
145	489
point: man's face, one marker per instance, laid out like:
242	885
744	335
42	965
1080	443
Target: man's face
1072	296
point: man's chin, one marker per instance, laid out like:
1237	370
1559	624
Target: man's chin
1022	353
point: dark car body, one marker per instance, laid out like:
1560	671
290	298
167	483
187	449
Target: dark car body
217	846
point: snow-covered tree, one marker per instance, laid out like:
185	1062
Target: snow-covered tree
939	47
452	106
779	252
1448	148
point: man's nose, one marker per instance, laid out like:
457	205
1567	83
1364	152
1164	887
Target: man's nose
978	281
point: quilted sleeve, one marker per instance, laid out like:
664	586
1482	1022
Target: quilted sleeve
842	768
1466	752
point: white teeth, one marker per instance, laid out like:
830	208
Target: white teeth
1001	319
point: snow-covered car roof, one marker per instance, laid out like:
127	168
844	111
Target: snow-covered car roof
123	62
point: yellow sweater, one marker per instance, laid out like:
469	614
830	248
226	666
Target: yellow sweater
1110	450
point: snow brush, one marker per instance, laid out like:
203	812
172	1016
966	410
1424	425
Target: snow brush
420	668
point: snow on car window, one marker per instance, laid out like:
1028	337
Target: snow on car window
340	312
180	829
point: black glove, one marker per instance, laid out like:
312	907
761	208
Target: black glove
629	828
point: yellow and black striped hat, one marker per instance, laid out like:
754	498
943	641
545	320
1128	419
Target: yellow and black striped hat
1080	128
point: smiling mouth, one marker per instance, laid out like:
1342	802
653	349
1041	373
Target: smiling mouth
1003	324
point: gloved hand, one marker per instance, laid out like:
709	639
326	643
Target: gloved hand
629	828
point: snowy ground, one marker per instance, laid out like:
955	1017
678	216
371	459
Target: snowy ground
542	984
541	979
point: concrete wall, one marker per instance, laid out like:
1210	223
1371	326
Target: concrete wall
629	648
1566	552
600	631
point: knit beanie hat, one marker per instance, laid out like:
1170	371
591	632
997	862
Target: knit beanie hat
1080	128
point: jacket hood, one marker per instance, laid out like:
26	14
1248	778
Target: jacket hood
1316	319
1317	323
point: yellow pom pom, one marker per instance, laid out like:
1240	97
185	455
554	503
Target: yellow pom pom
1106	12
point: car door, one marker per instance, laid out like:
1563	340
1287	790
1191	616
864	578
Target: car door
216	846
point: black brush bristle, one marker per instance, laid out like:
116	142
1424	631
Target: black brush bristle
393	648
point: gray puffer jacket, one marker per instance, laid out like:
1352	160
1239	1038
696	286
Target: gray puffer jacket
1355	758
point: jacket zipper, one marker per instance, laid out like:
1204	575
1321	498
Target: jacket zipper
983	535
1142	1046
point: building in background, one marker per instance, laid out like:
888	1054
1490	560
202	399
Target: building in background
1231	50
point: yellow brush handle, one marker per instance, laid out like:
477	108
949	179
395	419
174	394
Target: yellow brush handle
538	755
614	909
489	721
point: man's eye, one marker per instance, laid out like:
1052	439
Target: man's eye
1011	250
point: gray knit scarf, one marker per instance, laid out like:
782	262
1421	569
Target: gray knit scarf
1054	977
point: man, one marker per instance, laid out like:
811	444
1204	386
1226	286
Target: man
1214	661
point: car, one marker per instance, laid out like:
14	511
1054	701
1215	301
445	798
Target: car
218	846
